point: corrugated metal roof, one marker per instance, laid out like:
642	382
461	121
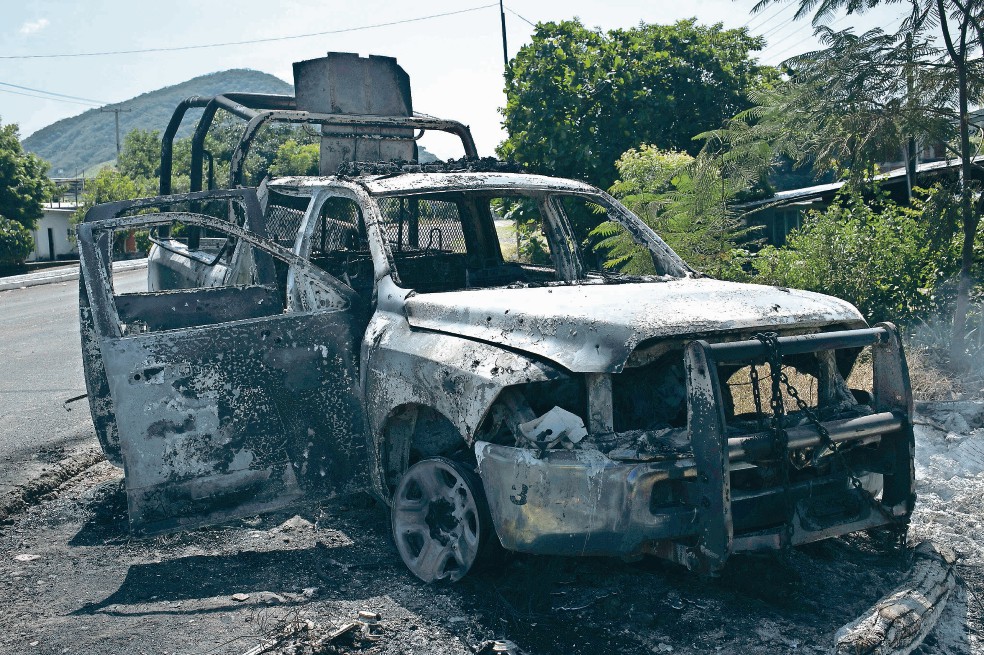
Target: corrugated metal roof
814	192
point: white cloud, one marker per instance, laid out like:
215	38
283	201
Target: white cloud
31	27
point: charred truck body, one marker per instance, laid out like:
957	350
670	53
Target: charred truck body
495	355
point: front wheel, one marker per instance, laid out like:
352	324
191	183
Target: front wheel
440	519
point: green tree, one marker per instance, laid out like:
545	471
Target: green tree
689	201
24	184
293	158
109	185
140	160
577	98
224	134
872	254
278	149
16	242
905	85
140	155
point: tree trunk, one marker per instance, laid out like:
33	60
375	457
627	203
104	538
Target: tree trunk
967	214
969	221
901	620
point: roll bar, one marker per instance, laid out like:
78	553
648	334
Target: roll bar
259	108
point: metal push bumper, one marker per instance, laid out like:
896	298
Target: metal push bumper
580	502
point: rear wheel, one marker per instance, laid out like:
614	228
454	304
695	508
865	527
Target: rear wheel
440	519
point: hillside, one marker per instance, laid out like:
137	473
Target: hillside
88	139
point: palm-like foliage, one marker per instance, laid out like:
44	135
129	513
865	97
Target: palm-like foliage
864	94
689	201
845	107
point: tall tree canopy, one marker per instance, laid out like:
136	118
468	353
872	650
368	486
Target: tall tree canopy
577	98
24	184
140	156
865	95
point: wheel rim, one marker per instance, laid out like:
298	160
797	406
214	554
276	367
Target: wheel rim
436	521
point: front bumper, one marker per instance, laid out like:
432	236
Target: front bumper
580	502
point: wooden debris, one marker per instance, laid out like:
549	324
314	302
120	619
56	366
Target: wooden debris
899	622
265	647
303	633
317	644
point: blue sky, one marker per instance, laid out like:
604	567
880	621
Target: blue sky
454	62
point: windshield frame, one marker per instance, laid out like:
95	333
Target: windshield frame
663	256
570	265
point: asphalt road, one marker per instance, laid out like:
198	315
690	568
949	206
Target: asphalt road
40	368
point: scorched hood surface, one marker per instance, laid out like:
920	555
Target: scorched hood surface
593	328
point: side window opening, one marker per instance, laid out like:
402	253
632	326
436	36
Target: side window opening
427	240
415	224
198	276
519	225
453	241
282	218
340	247
524	244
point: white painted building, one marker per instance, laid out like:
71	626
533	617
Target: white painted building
53	237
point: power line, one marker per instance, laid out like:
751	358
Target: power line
781	30
251	41
766	19
32	95
528	22
52	93
791	48
772	46
777	28
784	35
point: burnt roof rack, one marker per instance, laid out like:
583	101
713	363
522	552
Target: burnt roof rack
362	104
259	109
463	165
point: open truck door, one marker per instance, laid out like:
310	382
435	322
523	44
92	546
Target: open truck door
236	389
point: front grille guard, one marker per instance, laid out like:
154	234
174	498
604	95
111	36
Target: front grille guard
714	452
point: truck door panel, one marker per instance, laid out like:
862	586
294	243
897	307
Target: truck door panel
228	403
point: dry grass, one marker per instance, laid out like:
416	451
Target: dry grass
506	232
929	372
741	389
930	377
862	376
935	376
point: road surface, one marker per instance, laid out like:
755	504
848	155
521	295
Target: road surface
40	368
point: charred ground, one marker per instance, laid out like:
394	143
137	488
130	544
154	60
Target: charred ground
93	589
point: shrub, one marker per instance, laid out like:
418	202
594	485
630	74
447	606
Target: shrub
16	242
874	255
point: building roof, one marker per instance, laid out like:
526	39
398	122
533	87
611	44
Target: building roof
60	207
815	192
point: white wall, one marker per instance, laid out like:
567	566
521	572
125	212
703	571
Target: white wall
55	218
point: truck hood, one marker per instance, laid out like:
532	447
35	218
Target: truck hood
594	328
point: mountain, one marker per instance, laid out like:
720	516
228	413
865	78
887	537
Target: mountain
82	141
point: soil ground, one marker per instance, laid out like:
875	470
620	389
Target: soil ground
73	581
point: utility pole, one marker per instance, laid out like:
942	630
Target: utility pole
505	52
116	110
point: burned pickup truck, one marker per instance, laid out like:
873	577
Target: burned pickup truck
497	356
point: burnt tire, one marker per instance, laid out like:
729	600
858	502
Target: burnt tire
440	520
